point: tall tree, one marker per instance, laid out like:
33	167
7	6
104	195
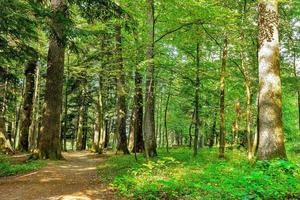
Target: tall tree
27	108
49	144
271	136
149	123
121	94
222	99
197	101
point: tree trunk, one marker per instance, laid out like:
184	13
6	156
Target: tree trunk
79	135
212	135
297	75
64	139
271	136
99	131
33	129
27	108
5	145
107	134
149	121
197	103
165	119
85	127
248	122
190	130
121	94
49	144
138	114
222	101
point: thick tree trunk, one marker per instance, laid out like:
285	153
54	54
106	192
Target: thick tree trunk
121	94
197	102
149	121
222	101
5	145
27	108
271	136
49	144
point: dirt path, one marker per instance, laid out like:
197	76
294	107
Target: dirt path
74	178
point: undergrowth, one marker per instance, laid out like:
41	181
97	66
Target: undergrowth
9	169
178	175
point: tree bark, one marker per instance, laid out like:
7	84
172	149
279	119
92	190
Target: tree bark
271	136
190	130
297	75
149	121
99	129
66	108
222	100
33	129
197	102
212	135
49	144
121	94
27	108
165	119
79	135
138	115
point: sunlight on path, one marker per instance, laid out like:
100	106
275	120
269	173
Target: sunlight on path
75	178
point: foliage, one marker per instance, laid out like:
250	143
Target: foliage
9	169
179	176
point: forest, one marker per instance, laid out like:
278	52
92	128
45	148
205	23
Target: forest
149	99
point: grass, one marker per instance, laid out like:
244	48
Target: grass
9	169
178	175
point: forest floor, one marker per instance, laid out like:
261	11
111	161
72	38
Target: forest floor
73	178
179	175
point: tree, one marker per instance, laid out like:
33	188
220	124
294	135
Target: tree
149	123
121	94
197	99
26	116
222	99
271	136
49	144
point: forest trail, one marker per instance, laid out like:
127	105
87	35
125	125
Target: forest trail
73	178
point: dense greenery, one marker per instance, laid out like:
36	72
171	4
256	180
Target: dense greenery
178	175
204	94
